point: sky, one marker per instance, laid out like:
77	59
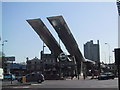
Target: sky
86	20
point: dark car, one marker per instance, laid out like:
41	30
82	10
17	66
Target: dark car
106	76
33	77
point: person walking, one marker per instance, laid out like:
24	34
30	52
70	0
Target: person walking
84	75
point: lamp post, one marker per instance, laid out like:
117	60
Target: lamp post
109	51
3	57
43	47
3	46
59	41
42	54
105	57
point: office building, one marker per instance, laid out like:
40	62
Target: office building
91	51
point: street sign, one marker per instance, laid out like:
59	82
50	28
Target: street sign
63	56
10	58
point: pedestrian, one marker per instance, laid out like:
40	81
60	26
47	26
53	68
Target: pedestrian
72	76
75	75
93	73
84	75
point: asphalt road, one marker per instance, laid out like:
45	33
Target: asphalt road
77	84
88	83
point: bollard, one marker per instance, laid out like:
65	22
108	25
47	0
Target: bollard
24	79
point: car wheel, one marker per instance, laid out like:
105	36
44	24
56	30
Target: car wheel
99	78
20	81
39	81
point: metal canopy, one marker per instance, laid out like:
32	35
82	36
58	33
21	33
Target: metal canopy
66	36
45	35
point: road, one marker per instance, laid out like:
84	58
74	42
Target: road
77	84
88	83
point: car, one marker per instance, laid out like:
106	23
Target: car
9	76
106	76
32	77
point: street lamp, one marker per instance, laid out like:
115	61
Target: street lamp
43	47
3	56
3	46
43	65
109	51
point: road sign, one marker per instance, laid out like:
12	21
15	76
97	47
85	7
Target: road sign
63	56
10	58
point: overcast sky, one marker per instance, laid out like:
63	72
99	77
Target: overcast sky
86	20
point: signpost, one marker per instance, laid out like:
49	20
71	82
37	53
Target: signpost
62	57
10	58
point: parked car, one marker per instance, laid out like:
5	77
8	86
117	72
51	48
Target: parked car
33	77
106	76
9	76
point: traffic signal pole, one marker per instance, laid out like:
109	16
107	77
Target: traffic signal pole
117	62
117	50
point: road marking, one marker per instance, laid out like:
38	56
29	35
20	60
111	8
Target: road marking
36	84
22	87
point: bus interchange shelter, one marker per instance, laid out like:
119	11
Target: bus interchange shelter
64	34
67	38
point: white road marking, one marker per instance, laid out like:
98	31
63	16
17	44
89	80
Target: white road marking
36	84
22	87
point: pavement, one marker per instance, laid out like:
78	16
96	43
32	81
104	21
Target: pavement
13	83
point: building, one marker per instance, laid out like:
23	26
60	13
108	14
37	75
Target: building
17	69
50	66
6	61
55	68
91	51
34	65
9	66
